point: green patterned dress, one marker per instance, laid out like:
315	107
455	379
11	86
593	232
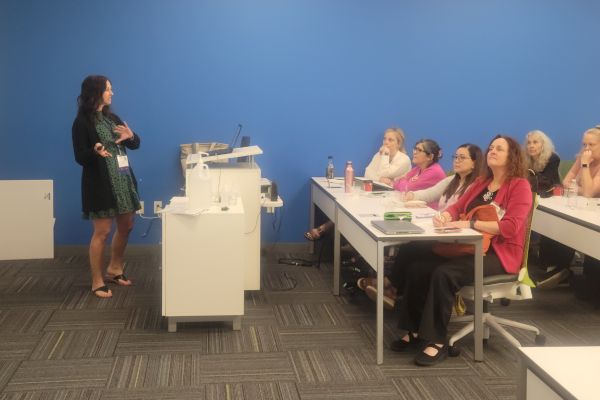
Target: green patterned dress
122	185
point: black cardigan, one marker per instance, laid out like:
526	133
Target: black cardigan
549	177
96	190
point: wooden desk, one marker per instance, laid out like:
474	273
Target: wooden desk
559	373
352	215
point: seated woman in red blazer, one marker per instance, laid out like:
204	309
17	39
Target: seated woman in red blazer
433	280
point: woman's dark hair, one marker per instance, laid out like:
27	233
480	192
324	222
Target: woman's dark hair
476	155
516	166
88	101
431	149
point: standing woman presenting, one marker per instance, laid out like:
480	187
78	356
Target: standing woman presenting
108	186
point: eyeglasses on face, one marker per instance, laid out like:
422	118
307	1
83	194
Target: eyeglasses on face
459	157
419	150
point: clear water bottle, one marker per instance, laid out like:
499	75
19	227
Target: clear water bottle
572	194
329	173
348	177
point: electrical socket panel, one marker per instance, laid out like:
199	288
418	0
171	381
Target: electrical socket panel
157	206
141	210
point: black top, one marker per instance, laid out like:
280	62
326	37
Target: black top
96	189
548	177
484	197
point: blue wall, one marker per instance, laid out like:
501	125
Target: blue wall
307	78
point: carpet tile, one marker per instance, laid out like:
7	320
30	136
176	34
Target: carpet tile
297	341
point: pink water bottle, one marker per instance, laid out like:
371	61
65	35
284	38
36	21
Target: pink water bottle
348	177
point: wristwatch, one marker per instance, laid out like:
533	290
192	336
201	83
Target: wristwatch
585	165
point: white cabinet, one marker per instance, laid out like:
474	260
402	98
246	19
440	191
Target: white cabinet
26	212
203	266
243	179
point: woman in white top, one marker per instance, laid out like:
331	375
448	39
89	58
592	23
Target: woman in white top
391	160
467	165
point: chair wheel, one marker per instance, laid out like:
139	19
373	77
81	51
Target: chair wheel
505	302
453	351
540	340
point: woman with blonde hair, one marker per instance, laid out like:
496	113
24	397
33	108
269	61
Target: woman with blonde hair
586	173
586	168
388	163
391	160
542	162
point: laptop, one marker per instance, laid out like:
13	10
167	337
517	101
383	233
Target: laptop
227	150
381	187
397	227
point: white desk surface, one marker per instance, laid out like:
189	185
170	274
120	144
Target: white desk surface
575	369
582	213
578	227
370	206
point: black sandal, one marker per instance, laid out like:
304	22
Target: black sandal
401	345
425	360
117	279
314	234
104	289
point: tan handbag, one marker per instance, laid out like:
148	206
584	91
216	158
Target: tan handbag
485	212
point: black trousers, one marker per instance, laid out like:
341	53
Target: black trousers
555	253
430	285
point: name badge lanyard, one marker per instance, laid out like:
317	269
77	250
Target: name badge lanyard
122	161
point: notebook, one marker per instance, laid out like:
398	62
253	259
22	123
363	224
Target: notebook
396	227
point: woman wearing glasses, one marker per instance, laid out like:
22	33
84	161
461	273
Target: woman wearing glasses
426	171
433	280
468	165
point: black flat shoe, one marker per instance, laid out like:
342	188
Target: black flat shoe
425	360
401	345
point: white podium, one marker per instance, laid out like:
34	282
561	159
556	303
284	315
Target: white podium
202	269
243	179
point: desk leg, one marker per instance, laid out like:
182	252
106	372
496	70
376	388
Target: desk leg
478	318
311	217
522	383
336	257
380	276
237	323
172	324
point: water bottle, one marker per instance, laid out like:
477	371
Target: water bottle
572	194
329	172
348	177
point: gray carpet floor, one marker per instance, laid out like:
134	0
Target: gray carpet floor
298	341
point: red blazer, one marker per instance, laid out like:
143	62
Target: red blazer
515	198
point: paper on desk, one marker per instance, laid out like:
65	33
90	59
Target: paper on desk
179	205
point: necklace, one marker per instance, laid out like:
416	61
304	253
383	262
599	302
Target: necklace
489	195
